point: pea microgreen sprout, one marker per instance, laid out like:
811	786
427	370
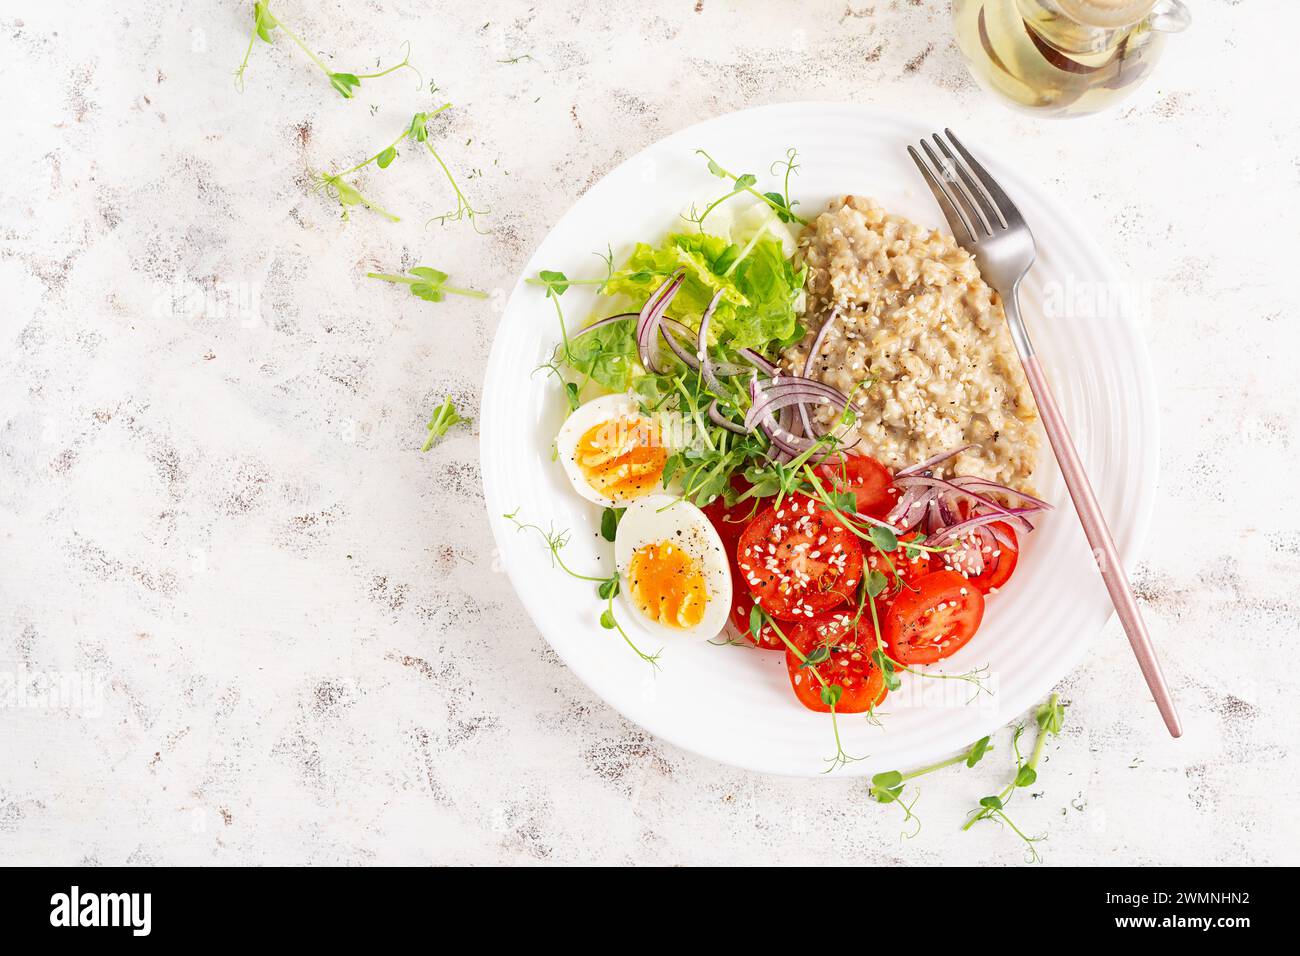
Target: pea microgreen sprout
783	198
427	283
384	158
744	183
610	623
888	666
264	22
347	195
729	641
405	64
463	208
416	131
830	693
557	283
609	519
888	787
552	279
419	132
1049	718
607	257
775	200
444	416
606	587
571	390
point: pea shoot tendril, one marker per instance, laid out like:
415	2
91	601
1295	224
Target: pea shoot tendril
417	131
607	587
265	22
1049	717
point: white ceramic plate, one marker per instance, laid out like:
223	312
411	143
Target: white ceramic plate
734	704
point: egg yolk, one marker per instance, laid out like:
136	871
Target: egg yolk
623	458
666	584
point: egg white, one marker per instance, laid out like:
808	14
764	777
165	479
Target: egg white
586	417
657	518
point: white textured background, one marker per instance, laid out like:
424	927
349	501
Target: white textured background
304	651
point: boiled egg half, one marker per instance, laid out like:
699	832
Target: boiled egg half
611	451
673	567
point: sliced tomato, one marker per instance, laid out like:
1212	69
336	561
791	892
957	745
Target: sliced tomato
935	620
798	560
742	605
900	570
998	559
731	522
848	665
869	480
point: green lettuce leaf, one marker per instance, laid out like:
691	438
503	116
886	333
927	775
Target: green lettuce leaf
759	290
608	355
771	284
758	294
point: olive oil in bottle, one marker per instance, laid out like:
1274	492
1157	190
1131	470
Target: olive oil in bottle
1064	57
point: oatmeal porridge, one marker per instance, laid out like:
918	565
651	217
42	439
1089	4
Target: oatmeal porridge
911	312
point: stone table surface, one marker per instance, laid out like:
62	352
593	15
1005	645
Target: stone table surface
244	620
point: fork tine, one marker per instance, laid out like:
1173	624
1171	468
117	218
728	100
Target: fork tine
980	228
961	229
1006	208
975	190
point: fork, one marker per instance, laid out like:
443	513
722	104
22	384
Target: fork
987	224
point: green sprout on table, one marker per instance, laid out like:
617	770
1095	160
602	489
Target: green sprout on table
888	787
444	417
417	131
1049	718
264	22
347	195
427	283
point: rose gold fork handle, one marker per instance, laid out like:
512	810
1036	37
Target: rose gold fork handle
1103	545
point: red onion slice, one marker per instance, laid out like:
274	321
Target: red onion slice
930	462
910	508
1000	536
702	345
782	439
955	531
610	320
983	484
769	403
760	363
786	383
809	362
963	493
672	330
652	313
949	512
933	516
716	416
782	392
936	505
